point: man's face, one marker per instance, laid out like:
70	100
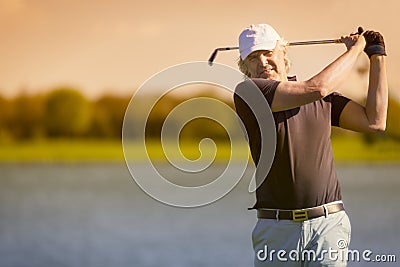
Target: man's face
267	64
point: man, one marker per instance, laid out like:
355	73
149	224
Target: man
301	217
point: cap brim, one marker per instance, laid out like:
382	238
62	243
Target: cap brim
264	46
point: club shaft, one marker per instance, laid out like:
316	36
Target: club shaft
331	41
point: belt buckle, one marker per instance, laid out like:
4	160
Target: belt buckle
300	215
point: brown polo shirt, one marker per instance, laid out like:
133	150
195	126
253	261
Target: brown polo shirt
303	171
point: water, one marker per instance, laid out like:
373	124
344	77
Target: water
95	215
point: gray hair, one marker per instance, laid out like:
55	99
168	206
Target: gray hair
243	63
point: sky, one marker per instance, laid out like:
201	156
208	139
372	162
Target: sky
99	46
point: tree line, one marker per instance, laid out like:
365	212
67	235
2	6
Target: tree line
67	113
63	112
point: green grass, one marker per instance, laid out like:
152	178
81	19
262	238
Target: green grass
346	149
105	150
352	149
61	150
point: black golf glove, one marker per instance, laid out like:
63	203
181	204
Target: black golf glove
375	44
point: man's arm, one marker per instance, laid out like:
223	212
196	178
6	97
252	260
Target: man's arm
372	117
294	94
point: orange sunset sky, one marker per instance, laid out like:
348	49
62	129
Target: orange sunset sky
97	46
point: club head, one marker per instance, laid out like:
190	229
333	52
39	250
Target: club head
212	57
214	54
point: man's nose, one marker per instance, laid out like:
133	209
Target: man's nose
263	60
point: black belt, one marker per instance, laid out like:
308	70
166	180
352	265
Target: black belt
301	214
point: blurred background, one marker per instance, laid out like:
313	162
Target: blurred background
68	70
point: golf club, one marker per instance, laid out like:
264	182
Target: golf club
333	41
330	41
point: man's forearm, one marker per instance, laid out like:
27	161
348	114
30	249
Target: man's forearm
377	99
294	94
335	73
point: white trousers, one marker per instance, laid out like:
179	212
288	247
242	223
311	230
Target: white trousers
321	241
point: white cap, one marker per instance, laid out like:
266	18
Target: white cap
257	37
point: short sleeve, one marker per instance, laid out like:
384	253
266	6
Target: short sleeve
267	87
338	102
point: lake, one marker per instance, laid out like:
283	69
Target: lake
96	215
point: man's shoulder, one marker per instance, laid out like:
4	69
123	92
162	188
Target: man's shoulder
260	83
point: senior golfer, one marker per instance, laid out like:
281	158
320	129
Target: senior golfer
301	216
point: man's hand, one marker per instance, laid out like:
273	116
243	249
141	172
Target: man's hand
375	44
354	39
